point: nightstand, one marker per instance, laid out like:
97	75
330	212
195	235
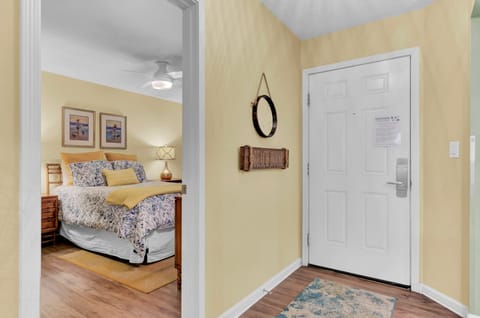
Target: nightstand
178	240
173	180
49	218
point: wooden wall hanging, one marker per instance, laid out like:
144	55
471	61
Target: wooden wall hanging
271	104
263	158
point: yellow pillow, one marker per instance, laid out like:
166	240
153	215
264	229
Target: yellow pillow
112	156
68	158
120	177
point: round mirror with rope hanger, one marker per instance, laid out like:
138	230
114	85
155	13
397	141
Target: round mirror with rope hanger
273	111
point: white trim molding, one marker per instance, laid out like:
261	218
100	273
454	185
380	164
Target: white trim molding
414	166
193	268
444	300
414	54
193	166
29	236
305	168
261	291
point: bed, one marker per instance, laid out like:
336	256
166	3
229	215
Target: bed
143	233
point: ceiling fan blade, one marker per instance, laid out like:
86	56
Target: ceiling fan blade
136	72
147	84
176	75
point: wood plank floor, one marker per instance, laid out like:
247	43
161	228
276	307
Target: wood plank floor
70	291
409	304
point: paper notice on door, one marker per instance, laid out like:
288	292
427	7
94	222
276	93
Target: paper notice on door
387	131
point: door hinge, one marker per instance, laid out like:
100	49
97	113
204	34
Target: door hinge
308	169
308	99
308	239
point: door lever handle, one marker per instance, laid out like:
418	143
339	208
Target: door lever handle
401	178
395	182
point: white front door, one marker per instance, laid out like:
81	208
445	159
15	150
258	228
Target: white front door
359	169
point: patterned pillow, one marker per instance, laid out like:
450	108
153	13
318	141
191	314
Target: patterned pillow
135	165
89	173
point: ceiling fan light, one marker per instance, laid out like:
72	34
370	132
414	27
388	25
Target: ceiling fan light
162	84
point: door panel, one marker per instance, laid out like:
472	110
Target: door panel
376	220
335	145
336	206
357	222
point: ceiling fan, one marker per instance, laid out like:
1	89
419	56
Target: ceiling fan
165	77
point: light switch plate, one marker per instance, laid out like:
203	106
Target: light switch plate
454	149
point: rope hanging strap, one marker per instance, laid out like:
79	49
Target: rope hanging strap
273	111
263	78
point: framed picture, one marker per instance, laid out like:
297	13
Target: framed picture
113	131
78	127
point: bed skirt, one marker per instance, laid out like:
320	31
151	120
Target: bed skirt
160	243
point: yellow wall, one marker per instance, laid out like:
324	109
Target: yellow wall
445	258
151	122
9	132
253	219
442	31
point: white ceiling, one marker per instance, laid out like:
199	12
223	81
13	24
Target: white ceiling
116	42
311	18
111	42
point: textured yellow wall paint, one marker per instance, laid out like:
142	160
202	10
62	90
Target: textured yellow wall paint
446	82
442	31
253	219
9	132
151	122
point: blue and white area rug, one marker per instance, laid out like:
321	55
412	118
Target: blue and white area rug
323	298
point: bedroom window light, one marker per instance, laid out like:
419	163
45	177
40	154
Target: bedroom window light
166	153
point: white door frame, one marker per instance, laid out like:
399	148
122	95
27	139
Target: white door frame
29	260
414	54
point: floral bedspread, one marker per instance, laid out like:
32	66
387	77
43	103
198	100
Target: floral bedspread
86	206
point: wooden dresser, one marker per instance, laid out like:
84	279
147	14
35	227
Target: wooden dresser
178	240
49	218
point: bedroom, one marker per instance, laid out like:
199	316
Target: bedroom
110	72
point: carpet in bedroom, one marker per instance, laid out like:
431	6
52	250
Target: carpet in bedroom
144	277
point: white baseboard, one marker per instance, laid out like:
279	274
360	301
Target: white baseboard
255	296
416	287
445	301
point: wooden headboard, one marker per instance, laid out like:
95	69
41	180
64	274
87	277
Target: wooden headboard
53	175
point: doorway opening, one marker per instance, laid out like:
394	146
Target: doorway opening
193	158
101	67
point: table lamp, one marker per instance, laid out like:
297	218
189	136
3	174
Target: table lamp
166	153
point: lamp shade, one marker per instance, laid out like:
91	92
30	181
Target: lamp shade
166	153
